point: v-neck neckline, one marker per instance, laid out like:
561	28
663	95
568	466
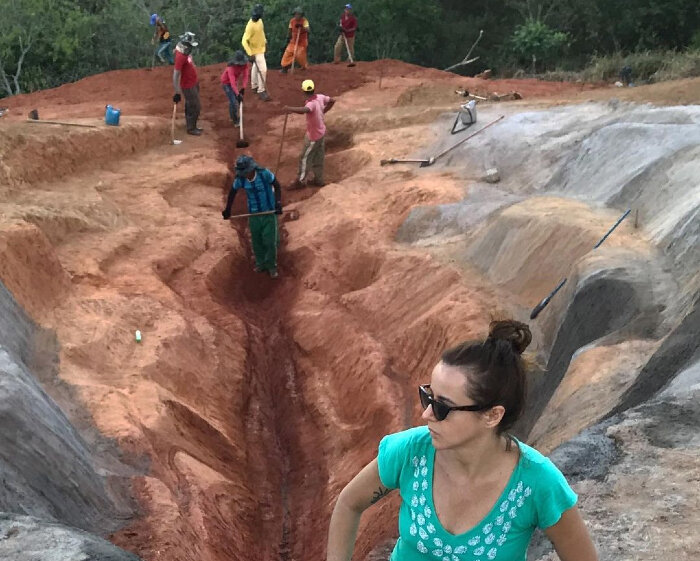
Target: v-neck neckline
508	486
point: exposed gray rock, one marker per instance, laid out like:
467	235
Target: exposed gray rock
615	295
680	349
453	220
46	468
23	538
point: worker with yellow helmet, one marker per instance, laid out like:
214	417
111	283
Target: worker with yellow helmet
314	152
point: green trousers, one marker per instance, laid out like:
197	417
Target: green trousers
265	237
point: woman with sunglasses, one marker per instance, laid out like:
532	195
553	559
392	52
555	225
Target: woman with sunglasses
469	490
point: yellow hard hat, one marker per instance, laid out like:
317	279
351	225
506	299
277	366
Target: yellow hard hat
308	85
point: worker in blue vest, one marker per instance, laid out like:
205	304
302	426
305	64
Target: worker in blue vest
264	196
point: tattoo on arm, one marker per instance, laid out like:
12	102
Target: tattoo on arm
379	494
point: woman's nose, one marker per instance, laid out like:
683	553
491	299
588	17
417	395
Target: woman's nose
428	414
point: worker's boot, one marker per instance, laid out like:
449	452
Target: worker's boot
284	69
263	96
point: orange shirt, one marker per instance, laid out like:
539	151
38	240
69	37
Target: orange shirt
303	31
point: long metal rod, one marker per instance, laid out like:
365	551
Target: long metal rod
543	304
619	221
444	152
397	161
430	161
43	122
253	214
279	155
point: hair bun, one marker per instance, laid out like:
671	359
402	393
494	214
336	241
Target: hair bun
517	333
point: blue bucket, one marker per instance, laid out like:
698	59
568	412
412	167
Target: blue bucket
112	116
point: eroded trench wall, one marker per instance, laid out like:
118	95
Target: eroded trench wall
567	174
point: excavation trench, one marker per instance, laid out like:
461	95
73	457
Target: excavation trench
256	400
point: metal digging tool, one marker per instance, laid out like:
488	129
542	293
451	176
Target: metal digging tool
279	155
33	117
241	142
174	141
294	56
397	161
543	304
292	214
347	48
430	161
448	150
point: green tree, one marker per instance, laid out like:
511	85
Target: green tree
535	41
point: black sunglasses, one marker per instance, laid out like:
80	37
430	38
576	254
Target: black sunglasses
440	409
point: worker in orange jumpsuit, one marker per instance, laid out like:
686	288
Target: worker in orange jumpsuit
298	42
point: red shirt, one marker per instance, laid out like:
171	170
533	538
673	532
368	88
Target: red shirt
349	24
232	73
185	64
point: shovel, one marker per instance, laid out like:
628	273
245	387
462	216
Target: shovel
173	140
241	142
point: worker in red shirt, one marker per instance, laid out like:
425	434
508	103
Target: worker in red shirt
347	29
314	152
186	83
298	41
236	70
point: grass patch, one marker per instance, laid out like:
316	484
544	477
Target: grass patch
647	67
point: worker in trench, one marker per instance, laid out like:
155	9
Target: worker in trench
255	44
470	491
314	152
264	196
297	42
236	71
347	27
186	82
162	36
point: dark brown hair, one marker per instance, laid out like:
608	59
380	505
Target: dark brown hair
495	369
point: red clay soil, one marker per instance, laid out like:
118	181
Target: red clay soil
254	400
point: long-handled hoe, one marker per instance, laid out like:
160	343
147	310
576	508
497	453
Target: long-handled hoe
174	140
241	141
347	48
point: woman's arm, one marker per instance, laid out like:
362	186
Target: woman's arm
571	539
358	495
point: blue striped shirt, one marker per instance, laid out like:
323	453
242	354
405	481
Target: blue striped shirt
261	196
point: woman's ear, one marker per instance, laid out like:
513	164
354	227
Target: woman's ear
493	416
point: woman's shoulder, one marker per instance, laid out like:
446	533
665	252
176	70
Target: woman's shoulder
407	442
416	435
400	451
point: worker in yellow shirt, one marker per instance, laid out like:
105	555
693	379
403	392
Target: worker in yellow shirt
255	43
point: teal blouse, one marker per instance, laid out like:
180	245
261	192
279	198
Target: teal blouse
536	496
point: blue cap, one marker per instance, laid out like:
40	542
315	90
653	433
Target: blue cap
348	6
154	18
